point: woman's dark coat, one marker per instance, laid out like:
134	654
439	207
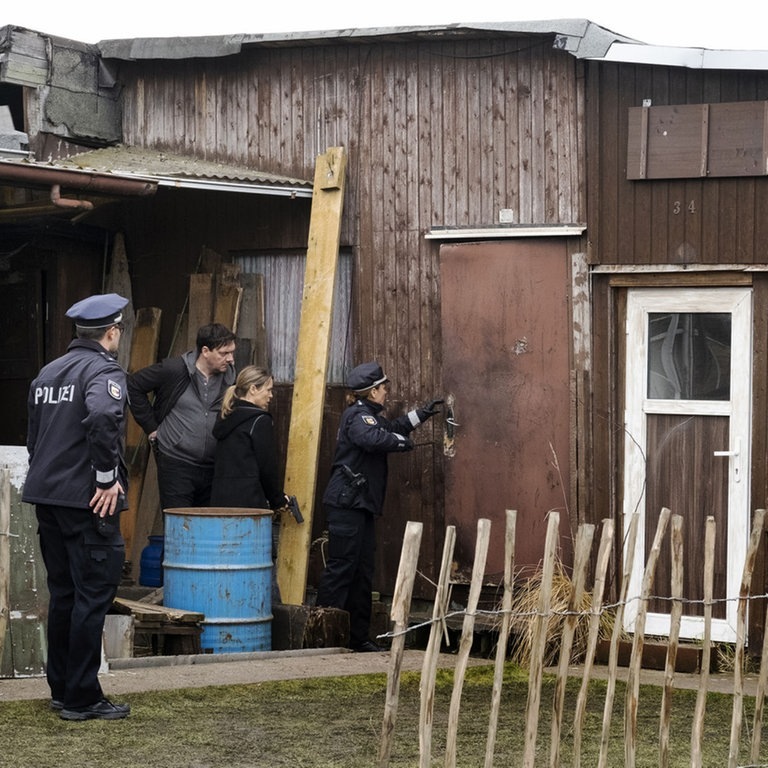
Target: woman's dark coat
245	471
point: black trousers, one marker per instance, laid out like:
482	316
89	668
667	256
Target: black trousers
348	576
84	570
182	484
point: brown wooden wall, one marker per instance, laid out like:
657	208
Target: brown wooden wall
680	221
711	221
439	133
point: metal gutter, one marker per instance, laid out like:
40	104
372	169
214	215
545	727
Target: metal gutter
71	179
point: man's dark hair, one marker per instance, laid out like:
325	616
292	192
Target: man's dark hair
95	334
213	336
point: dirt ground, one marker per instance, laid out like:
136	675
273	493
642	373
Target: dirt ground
156	673
171	672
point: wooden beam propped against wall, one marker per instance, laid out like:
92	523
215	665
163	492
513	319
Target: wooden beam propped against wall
311	371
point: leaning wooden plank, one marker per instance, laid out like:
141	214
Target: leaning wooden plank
741	635
539	642
636	659
200	310
311	371
431	655
676	593
148	517
251	323
146	333
467	635
401	608
119	281
598	589
227	295
697	731
506	620
584	537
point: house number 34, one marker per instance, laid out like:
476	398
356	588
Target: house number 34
677	207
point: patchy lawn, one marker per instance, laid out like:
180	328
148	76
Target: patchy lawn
336	723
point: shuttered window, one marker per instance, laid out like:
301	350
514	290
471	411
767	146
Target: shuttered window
698	140
283	288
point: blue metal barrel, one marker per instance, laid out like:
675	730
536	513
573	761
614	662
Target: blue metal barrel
218	561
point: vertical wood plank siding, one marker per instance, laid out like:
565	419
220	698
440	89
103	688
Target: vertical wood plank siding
438	133
720	220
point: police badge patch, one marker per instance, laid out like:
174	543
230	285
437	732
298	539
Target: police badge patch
114	389
369	420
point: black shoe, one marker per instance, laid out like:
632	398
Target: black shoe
56	705
101	710
368	647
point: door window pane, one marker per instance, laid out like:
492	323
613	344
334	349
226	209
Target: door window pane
689	355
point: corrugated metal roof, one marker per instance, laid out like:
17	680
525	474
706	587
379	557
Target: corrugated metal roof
579	37
594	36
166	169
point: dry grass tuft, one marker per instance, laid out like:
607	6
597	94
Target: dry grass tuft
525	606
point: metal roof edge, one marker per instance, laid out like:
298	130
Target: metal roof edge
691	58
575	31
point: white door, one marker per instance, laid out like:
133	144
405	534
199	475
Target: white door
687	441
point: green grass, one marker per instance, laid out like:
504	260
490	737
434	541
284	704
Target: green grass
336	723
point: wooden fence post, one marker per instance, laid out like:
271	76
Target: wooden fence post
506	619
636	660
601	568
429	666
465	644
741	621
584	537
539	642
5	553
676	592
618	628
701	697
401	606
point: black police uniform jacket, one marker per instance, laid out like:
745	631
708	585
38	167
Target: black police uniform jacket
364	440
76	411
245	470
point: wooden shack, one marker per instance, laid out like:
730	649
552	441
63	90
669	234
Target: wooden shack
522	200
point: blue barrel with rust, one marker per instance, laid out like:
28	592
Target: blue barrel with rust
218	561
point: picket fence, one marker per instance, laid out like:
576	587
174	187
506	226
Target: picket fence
667	523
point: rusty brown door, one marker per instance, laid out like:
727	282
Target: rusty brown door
687	438
506	340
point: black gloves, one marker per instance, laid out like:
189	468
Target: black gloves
429	410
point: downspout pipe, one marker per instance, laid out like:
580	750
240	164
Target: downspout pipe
63	202
71	179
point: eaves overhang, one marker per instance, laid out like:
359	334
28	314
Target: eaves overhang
124	170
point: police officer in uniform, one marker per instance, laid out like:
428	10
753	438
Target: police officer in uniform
355	495
77	481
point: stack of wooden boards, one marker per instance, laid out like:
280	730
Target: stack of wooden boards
157	629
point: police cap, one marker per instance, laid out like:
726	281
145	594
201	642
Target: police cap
100	311
365	376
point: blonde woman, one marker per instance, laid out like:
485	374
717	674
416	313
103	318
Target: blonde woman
245	470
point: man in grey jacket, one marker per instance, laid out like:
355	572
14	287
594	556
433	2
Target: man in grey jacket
188	391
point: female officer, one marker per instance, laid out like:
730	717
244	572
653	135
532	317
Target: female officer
355	495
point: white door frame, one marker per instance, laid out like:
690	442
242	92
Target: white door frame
640	303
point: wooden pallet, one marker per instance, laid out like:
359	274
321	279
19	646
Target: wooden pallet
171	631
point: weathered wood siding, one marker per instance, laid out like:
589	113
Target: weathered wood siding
709	221
438	133
678	221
